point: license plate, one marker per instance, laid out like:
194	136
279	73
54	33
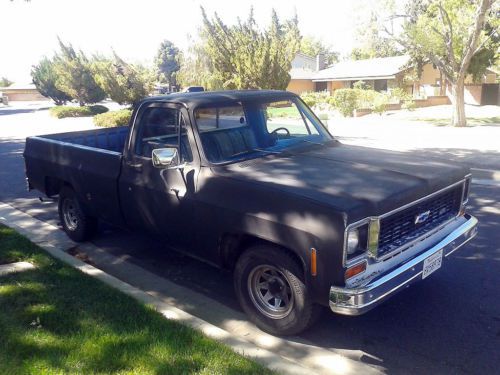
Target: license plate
432	263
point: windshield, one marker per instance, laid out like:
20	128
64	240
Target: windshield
246	130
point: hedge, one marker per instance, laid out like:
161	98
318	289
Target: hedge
73	111
113	118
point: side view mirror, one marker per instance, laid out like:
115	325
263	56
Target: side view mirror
165	157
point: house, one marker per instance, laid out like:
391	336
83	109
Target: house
20	92
387	73
381	73
302	72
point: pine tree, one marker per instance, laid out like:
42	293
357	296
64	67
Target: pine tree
44	77
75	77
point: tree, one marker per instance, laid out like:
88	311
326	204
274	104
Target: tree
195	69
4	82
167	63
451	34
242	56
489	55
44	77
122	82
371	38
311	46
75	76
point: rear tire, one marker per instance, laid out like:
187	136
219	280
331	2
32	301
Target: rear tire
270	287
77	225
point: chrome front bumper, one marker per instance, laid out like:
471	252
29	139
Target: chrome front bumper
357	301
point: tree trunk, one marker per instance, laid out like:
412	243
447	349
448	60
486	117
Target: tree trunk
442	85
457	100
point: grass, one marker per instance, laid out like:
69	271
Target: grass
290	112
54	320
471	121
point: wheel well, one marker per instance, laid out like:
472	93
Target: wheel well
232	246
53	185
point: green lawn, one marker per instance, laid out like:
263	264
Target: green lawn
471	121
55	320
290	112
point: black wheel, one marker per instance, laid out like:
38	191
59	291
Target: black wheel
77	225
270	287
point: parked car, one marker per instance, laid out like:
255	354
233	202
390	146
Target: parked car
194	89
252	182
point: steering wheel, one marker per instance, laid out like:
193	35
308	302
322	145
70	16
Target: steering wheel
275	131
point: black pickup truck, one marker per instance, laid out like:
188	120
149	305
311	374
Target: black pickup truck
252	182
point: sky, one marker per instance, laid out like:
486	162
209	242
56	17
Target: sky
135	28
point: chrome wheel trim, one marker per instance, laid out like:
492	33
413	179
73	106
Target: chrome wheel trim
70	215
270	291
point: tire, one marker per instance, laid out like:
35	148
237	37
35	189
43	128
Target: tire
77	225
265	269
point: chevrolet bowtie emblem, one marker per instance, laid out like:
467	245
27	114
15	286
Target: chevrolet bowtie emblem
422	217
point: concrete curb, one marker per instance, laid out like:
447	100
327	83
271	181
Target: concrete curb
6	269
43	235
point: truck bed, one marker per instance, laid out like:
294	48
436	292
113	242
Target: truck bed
110	139
89	161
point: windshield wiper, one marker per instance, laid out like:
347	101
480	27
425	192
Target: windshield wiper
268	152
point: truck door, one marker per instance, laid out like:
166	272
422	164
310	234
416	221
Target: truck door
160	199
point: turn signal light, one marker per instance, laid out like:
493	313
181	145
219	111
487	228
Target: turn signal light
355	270
313	262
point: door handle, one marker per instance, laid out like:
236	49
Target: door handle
136	166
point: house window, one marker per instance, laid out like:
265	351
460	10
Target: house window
320	86
380	85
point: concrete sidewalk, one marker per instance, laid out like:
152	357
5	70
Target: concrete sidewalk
285	355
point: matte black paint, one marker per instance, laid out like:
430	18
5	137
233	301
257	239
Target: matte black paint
296	200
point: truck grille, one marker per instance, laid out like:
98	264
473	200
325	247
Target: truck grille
401	227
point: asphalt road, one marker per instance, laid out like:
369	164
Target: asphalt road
447	324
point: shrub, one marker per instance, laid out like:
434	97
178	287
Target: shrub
73	111
309	99
323	116
321	99
379	104
346	101
113	118
366	98
404	97
361	85
410	105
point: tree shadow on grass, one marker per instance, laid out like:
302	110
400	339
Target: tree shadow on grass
471	121
88	327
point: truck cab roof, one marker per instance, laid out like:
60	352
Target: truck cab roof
194	99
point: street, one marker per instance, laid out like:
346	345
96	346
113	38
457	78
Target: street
449	323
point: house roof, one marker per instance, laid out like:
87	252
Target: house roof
378	68
20	86
299	73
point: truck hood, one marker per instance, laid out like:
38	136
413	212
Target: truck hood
357	181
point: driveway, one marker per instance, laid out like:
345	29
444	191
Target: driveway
449	323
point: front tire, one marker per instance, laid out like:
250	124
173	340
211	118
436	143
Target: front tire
270	287
77	225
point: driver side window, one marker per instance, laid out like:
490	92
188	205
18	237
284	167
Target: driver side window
284	117
162	127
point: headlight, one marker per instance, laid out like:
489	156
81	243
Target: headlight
352	241
356	242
